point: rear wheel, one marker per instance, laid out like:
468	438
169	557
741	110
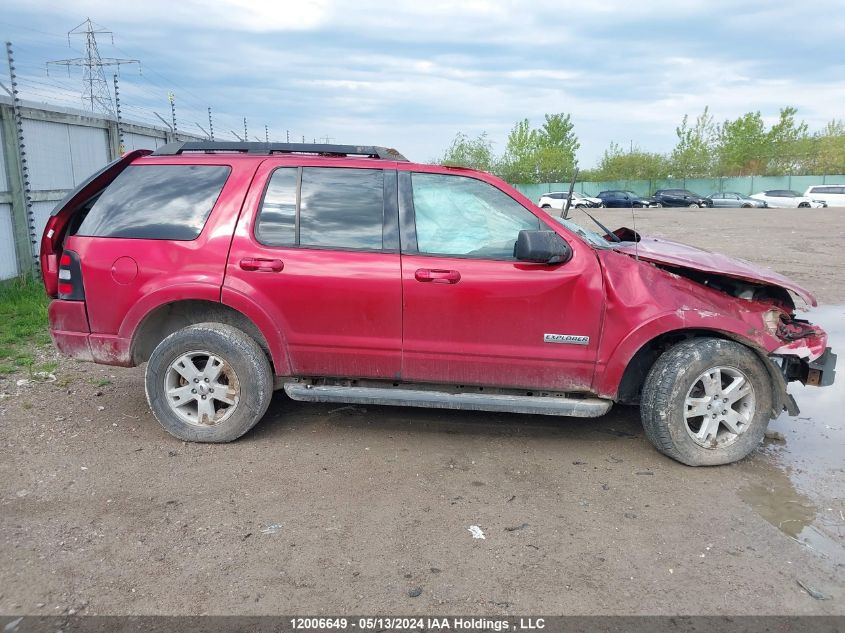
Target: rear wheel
706	402
208	383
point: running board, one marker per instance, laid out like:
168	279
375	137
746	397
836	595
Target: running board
544	405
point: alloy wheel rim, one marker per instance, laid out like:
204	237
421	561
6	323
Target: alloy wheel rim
719	407
201	388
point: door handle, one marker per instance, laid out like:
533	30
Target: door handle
437	276
260	264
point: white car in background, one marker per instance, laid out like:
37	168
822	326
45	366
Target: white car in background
556	200
785	199
833	195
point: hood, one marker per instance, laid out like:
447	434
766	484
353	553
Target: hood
663	251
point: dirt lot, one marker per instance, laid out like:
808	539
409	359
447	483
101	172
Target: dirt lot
327	509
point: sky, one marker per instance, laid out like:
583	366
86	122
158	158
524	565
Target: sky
411	74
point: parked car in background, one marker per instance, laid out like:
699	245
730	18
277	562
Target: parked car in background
733	200
785	199
679	198
557	200
832	195
620	198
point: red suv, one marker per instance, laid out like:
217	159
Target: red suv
348	274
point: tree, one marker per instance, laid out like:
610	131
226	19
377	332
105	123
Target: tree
546	154
788	143
829	149
693	154
556	147
742	146
519	164
476	153
617	164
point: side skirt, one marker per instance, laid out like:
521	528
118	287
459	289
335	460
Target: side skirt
434	398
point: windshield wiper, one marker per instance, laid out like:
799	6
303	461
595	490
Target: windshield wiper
612	235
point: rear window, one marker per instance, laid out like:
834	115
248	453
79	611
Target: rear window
156	202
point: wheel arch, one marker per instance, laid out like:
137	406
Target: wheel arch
170	316
634	363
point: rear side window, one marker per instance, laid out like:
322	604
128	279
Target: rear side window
156	202
342	208
277	219
338	208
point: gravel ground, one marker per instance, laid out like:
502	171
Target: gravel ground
328	509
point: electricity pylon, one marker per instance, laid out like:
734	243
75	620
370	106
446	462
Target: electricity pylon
96	94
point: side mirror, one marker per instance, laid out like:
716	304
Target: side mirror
542	247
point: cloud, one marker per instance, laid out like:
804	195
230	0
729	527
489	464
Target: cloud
412	74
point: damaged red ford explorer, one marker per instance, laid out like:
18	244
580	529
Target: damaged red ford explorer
348	274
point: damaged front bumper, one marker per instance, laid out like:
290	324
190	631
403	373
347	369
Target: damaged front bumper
819	372
822	371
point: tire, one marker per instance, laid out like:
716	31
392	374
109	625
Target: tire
602	206
746	206
693	205
679	375
657	205
804	205
240	368
546	206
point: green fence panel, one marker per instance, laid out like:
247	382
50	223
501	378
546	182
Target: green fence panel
800	183
745	185
702	186
589	188
740	185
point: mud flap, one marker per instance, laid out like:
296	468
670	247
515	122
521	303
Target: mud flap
781	400
790	405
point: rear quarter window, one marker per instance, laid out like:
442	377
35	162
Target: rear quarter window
156	202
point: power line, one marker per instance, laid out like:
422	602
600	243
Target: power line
97	94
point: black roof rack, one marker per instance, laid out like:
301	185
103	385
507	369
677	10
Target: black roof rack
371	151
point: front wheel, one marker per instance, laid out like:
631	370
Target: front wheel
693	205
208	382
657	205
804	205
706	402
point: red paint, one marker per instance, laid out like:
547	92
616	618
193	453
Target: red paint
411	317
658	249
124	270
54	231
340	312
488	328
68	316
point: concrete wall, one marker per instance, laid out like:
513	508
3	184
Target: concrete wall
62	148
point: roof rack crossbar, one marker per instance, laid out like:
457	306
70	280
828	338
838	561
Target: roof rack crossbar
371	151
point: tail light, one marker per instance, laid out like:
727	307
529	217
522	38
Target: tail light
70	278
